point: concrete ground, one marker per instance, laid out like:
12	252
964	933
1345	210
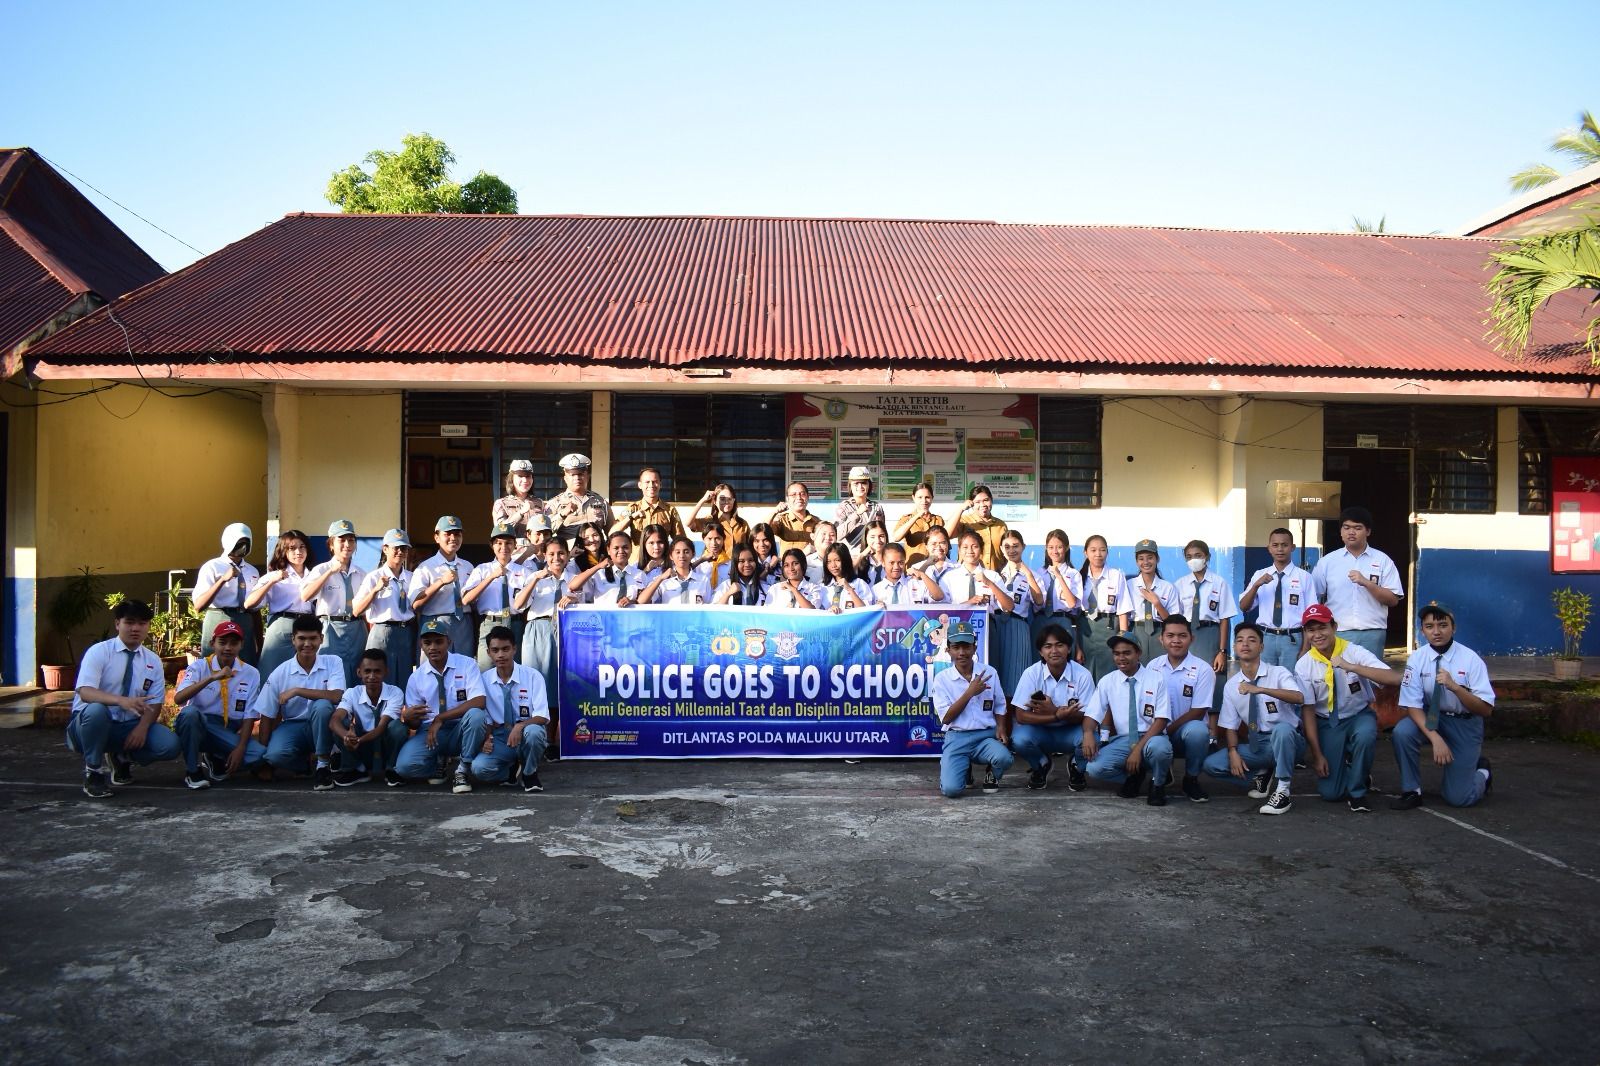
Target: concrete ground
777	912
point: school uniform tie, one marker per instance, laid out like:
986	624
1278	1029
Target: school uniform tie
1147	604
344	579
1091	602
894	593
127	672
222	691
455	593
1277	599
508	710
1199	590
1258	717
1133	710
622	586
505	591
238	587
1431	717
442	707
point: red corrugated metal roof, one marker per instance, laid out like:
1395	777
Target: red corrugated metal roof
670	291
56	246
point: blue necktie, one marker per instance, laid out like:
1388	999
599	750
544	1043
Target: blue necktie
1133	710
1277	601
127	672
1431	717
509	710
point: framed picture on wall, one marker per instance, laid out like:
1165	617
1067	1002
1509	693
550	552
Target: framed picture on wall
419	472
475	471
449	471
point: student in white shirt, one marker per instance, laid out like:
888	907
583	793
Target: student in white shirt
366	726
296	703
679	585
1048	705
1153	599
1264	701
715	561
869	564
541	600
823	536
216	724
1447	697
1358	583
383	601
901	587
972	711
1340	725
331	587
1062	586
844	591
1107	607
491	589
1191	688
1011	645
118	699
794	591
1131	700
1280	594
280	588
503	739
744	586
437	583
443	688
611	583
221	587
1207	602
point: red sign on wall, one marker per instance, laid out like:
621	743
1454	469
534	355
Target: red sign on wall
1575	515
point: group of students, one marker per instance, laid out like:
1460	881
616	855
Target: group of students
421	622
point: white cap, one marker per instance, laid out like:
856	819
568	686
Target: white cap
233	534
574	461
522	466
860	473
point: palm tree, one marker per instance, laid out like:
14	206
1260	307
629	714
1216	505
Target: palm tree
1364	226
1581	145
1534	269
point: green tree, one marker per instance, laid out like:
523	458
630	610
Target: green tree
1534	269
1365	226
1581	145
416	181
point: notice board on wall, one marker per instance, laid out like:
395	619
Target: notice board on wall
951	441
1575	515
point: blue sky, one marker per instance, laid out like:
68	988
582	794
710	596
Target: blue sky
213	119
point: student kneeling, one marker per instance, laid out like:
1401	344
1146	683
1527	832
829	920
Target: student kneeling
114	710
1264	699
502	739
972	710
439	694
1133	701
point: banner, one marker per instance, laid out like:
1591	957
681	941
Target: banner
1575	515
659	682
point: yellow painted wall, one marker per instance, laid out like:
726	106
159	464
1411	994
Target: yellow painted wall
1285	445
345	452
130	481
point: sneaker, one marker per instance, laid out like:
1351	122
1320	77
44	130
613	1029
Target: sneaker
437	777
1406	801
213	772
1077	780
1132	786
990	785
531	782
392	779
120	769
513	779
1277	803
96	784
1192	789
1260	785
1038	778
196	780
353	776
1360	804
1158	796
1488	784
461	784
321	779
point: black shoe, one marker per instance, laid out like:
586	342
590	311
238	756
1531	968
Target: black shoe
352	776
531	782
990	785
552	753
213	773
321	779
1277	803
1360	804
1038	778
1192	789
121	769
392	779
1488	782
1405	801
196	780
1077	780
462	783
514	778
1132	786
1158	796
96	784
436	776
1260	785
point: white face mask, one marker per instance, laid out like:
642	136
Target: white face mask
1197	564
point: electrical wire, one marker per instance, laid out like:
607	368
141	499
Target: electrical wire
125	207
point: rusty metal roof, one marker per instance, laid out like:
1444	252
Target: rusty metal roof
740	292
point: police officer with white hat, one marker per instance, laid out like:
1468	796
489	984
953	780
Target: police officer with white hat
569	510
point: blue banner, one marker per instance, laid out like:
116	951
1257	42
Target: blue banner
736	682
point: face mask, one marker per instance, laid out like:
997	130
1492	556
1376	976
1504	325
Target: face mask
1196	564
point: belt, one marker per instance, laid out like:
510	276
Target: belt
1059	614
337	617
1206	624
1282	632
402	622
290	614
1456	714
496	616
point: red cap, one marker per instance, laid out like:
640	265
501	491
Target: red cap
1317	612
228	629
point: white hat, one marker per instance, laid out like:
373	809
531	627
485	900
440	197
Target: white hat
522	466
233	534
860	473
574	461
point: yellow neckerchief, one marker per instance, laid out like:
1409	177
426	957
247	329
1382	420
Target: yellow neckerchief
1339	645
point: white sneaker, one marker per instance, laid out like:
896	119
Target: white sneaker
1277	803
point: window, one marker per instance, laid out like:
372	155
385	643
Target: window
1543	433
699	440
540	426
1069	452
1452	449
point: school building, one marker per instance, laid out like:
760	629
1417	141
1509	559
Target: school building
1131	382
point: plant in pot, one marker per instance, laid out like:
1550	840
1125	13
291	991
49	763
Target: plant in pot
70	609
175	632
1572	611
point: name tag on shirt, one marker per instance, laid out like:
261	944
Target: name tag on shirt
1272	706
1294	599
461	695
1355	685
1188	690
1214	605
238	706
1149	710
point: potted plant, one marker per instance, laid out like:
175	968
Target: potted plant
175	632
1572	611
71	607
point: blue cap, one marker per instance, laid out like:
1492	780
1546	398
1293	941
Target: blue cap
436	627
502	530
396	538
538	523
342	528
961	633
1434	607
448	524
1120	638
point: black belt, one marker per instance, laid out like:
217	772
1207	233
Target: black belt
1059	614
337	617
1282	632
1204	624
403	622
